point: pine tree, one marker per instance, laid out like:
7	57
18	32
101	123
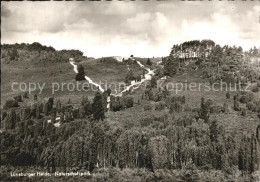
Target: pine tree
227	95
98	107
213	131
254	160
45	109
81	73
58	106
148	62
204	110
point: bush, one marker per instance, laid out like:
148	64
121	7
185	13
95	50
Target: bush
160	106
227	95
236	105
18	98
258	84
154	82
81	73
146	121
251	106
255	89
248	97
244	112
187	108
225	108
10	103
225	68
215	109
128	101
25	95
80	77
26	113
4	114
148	107
176	107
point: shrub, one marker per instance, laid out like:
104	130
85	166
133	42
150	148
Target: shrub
81	73
10	103
244	112
80	77
160	106
176	107
26	113
128	101
18	98
225	108
154	82
15	104
50	103
251	106
25	95
255	89
146	121
258	84
248	97
225	68
148	107
236	105
216	109
4	114
148	62
227	95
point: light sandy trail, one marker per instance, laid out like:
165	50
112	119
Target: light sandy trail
75	67
134	85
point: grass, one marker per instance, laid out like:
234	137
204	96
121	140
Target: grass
40	73
231	121
105	71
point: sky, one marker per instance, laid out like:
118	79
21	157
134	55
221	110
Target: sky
124	28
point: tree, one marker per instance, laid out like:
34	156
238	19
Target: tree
148	62
81	73
98	107
50	103
58	106
45	109
108	91
228	95
213	128
170	66
254	160
204	110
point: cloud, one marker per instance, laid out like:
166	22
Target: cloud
5	12
124	28
121	8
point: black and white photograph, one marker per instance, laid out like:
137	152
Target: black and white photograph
130	91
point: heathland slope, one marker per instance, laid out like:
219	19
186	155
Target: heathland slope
177	126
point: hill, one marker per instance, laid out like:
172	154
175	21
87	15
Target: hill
179	124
